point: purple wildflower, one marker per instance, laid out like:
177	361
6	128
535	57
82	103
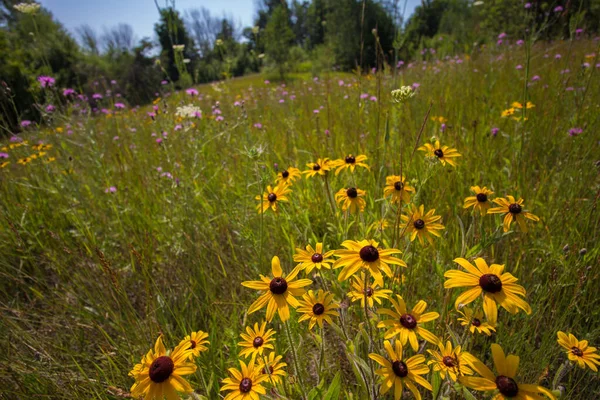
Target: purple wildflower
110	189
495	131
68	92
46	81
575	131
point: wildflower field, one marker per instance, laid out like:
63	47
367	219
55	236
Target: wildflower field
428	232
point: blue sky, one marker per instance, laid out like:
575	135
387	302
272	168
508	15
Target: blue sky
142	14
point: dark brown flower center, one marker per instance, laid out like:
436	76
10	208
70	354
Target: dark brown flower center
316	167
490	283
272	197
400	368
369	254
264	370
350	159
439	153
399	185
419	224
369	291
352	193
507	386
515	208
449	361
193	344
577	351
476	322
318	309
161	369
317	258
257	342
408	321
285	174
245	385
278	285
481	197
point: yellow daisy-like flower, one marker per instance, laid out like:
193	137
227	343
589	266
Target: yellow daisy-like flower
279	291
497	287
407	324
245	384
374	292
450	361
49	160
4	164
397	373
398	188
160	375
579	351
518	105
317	307
349	162
504	382
480	201
513	211
422	225
321	167
351	199
275	367
474	321
256	340
24	161
366	254
310	258
443	153
508	112
196	343
270	198
288	176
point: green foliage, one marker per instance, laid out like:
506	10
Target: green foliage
278	38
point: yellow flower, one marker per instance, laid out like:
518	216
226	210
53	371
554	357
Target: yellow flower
366	254
508	112
373	291
156	101
497	287
443	153
518	105
270	198
396	372
317	307
480	201
513	212
288	176
256	340
4	164
275	366
421	225
160	374
474	321
245	384
310	258
49	160
196	343
407	324
350	162
398	188
579	351
450	361
41	154
351	199
279	291
321	167
504	382
59	130
24	161
380	225
440	119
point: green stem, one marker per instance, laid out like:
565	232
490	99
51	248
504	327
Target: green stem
287	329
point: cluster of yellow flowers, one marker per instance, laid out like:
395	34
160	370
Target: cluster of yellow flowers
516	106
40	149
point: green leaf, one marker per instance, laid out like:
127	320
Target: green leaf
468	395
436	382
333	393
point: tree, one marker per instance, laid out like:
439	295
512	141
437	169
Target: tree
89	39
171	32
279	37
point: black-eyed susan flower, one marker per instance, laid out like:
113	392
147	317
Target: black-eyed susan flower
513	210
321	167
504	381
256	340
310	258
279	291
349	162
421	225
519	106
380	225
397	373
270	198
579	351
317	307
481	200
508	112
24	160
288	176
473	321
4	164
398	188
161	374
196	342
448	360
407	325
244	383
443	153
366	254
275	367
351	199
497	287
373	292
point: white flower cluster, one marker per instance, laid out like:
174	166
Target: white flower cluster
401	95
27	8
188	111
